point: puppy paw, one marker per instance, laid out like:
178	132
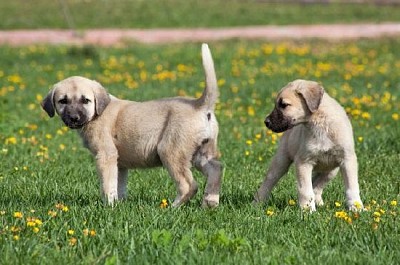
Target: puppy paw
210	201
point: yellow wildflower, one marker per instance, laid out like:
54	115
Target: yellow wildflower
16	237
18	214
164	203
71	232
292	202
338	204
393	203
395	116
11	140
269	212
36	230
72	241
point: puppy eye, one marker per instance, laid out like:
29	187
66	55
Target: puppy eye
283	105
85	100
63	101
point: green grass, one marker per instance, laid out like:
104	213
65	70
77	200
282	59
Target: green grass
43	164
19	14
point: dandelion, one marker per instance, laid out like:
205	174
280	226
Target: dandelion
16	237
338	204
358	205
374	226
11	140
65	208
249	142
71	232
269	213
52	213
36	230
164	203
18	215
292	202
2	212
393	203
72	241
92	233
395	116
360	139
30	224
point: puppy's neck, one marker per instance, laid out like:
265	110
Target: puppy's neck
319	126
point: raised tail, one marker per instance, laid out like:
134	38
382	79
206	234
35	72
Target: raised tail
210	93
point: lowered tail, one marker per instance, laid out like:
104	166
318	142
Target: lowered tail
210	93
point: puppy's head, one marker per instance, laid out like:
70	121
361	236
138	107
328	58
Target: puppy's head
295	103
77	100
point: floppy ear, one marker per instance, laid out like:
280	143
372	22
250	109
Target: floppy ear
48	103
101	98
312	94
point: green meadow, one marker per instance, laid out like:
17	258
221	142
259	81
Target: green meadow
50	206
86	14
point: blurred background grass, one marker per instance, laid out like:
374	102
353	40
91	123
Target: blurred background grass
84	14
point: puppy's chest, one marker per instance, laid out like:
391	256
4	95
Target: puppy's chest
325	154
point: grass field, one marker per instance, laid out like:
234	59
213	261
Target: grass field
50	208
84	14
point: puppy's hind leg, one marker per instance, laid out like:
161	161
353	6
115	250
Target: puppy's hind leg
319	182
179	169
212	170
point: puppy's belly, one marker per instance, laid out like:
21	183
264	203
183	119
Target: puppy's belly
133	160
328	161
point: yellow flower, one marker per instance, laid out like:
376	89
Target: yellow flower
338	204
38	222
340	214
393	203
65	208
251	111
358	205
71	232
164	203
48	136
2	212
360	139
269	212
72	241
377	214
11	140
249	142
292	202
18	214
16	237
36	230
52	213
30	223
395	116
92	232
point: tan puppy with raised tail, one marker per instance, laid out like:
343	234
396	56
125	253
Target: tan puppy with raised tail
318	140
176	133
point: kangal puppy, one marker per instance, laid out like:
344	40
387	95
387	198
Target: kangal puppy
176	133
318	140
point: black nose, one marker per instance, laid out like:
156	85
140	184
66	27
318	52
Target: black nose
267	122
75	118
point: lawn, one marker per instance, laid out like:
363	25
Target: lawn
50	208
84	14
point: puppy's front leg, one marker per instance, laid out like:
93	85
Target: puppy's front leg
122	183
349	170
279	166
108	172
304	185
